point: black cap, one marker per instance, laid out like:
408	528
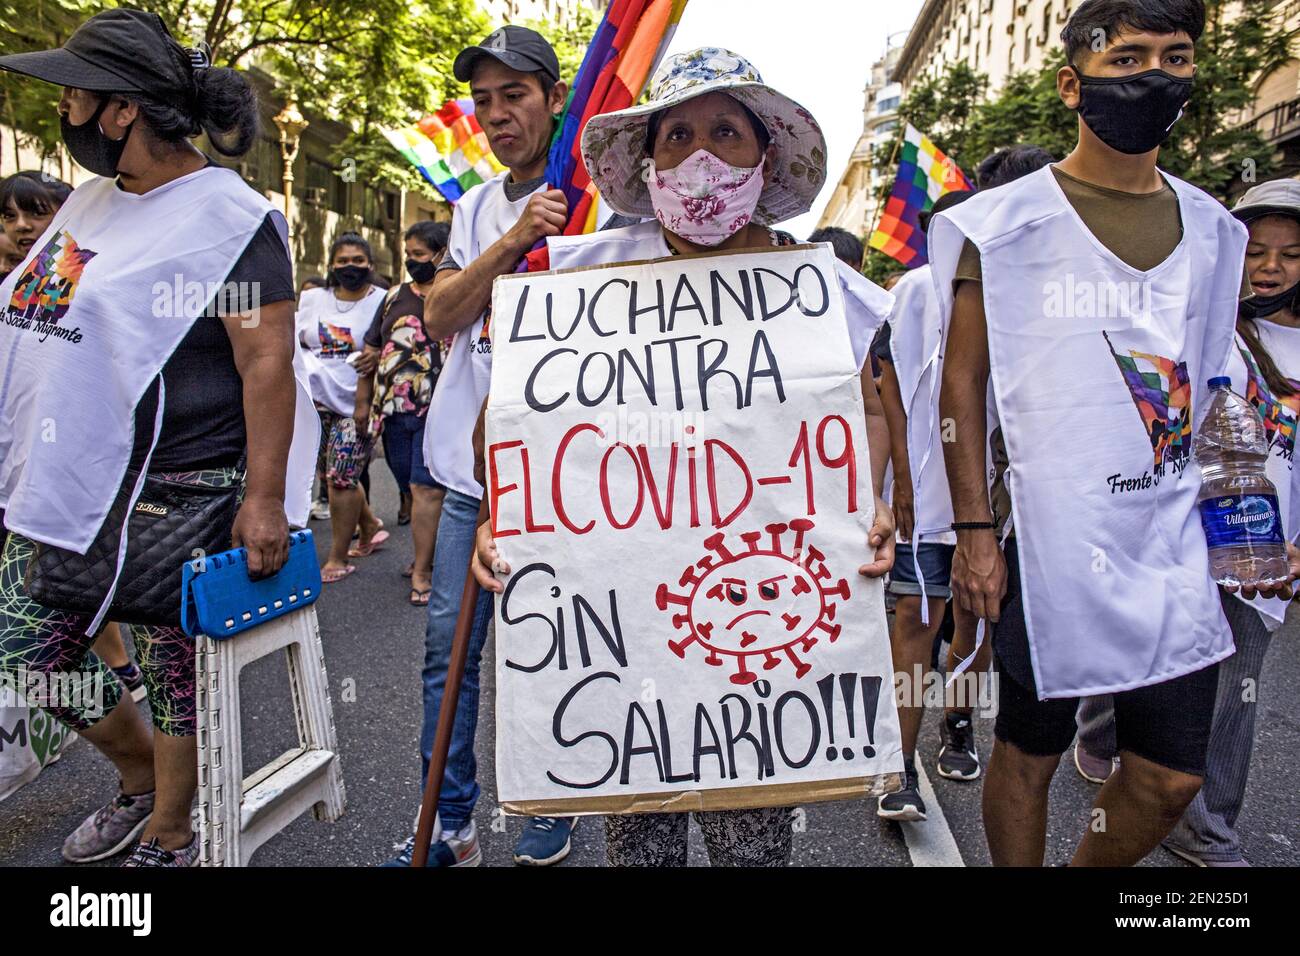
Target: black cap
519	48
117	51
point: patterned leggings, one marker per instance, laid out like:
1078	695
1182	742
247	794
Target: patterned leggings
344	454
43	640
760	837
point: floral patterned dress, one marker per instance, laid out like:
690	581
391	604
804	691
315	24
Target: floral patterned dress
409	362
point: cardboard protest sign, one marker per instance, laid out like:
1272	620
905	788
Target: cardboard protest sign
678	477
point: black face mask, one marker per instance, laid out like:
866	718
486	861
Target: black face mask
88	145
351	278
421	272
1132	114
1262	306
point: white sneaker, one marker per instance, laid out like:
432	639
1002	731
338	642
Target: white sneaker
320	511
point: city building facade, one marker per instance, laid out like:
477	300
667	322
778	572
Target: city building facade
1000	38
853	204
1276	110
993	37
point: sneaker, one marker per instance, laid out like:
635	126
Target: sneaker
1196	859
906	804
545	840
958	759
459	849
320	510
151	854
132	679
1092	768
110	829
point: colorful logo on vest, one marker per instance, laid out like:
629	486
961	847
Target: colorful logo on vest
1279	414
336	340
483	344
1162	392
46	288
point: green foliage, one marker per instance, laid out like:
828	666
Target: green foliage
366	63
946	108
570	42
1027	110
29	106
878	267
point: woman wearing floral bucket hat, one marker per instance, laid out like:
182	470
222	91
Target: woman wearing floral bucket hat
712	162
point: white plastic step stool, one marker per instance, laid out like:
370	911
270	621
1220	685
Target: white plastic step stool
237	814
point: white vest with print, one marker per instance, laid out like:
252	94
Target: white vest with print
84	332
1099	374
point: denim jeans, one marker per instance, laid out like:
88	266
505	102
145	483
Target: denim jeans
456	528
404	448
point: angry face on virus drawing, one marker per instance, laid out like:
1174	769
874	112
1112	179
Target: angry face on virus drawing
760	603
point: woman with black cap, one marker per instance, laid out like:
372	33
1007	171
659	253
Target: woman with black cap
111	333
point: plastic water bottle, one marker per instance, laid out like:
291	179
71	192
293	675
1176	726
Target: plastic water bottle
1239	508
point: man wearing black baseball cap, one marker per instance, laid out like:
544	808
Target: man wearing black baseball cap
514	79
519	48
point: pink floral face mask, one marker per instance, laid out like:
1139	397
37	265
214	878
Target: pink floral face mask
704	200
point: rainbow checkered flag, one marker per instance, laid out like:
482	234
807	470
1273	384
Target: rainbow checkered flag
924	174
449	148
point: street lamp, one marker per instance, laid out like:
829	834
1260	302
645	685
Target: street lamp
291	124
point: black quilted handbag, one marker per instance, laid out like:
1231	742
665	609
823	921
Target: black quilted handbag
169	524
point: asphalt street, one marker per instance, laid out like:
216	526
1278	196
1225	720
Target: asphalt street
374	648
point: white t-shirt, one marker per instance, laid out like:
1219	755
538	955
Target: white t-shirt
333	329
866	304
483	215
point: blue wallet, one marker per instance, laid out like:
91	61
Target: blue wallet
218	598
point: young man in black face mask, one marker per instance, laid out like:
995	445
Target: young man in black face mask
514	79
1097	296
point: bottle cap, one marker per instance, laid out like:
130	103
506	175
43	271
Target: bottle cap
1221	381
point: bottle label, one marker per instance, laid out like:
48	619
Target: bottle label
1241	519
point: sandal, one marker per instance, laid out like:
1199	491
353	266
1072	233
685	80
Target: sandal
420	598
332	577
375	544
409	570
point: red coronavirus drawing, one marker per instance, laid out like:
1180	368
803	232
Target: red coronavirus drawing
759	603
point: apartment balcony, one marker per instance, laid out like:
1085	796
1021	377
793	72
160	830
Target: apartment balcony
1281	123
